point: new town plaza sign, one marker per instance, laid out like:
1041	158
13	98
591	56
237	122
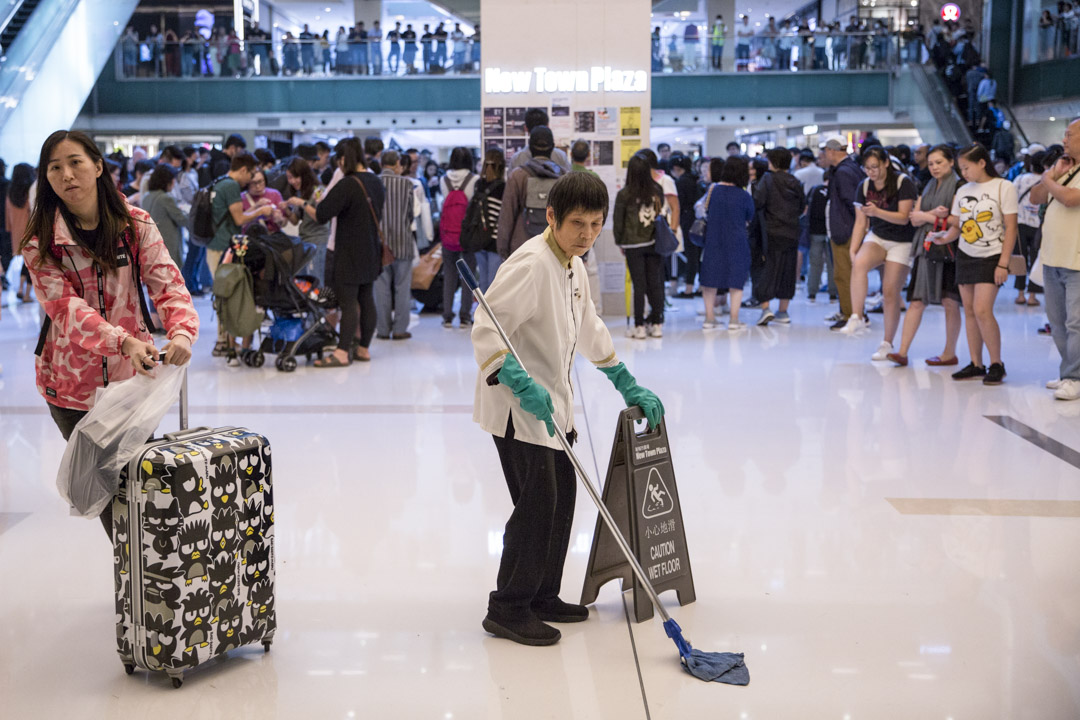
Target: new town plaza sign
595	79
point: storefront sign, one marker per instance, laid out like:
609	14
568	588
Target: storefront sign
497	80
950	12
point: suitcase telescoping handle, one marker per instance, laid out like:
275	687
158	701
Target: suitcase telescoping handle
184	431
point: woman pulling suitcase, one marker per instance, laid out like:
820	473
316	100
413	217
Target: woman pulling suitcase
89	253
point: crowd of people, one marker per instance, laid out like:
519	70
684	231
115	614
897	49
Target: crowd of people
943	225
1059	32
356	50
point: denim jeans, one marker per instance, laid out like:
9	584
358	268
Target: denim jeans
487	264
451	281
393	298
196	273
820	257
1062	293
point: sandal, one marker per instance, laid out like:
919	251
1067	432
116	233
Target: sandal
366	357
1033	301
1020	300
330	361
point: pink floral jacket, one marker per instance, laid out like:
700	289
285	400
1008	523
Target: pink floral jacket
69	367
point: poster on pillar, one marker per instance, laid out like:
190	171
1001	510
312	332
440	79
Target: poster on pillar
584	77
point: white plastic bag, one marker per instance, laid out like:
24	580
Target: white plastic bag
124	415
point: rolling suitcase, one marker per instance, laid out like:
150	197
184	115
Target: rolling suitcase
193	548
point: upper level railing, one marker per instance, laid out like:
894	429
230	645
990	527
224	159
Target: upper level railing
764	52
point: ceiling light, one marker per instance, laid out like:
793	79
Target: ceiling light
327	9
1053	119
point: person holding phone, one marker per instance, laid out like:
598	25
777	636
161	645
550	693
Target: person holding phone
933	277
882	234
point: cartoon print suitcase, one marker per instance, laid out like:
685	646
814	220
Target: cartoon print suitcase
193	547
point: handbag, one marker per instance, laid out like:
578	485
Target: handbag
697	229
387	255
427	268
941	253
666	242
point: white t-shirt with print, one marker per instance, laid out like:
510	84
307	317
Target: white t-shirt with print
1028	212
667	183
981	209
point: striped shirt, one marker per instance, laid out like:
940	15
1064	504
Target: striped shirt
398	216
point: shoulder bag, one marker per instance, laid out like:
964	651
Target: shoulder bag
387	255
697	230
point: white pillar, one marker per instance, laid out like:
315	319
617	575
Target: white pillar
590	56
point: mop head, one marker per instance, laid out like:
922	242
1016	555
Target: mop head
726	668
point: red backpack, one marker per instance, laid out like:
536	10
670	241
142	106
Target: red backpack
453	214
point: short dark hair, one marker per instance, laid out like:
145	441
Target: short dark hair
716	169
264	156
779	158
578	191
736	171
144	166
535	117
243	160
306	151
235	140
579	151
807	154
663	146
373	145
170	153
733	144
461	158
322	147
161	177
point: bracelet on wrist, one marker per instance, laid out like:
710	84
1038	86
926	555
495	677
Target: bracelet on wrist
1003	268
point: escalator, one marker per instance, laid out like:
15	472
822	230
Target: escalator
18	12
58	49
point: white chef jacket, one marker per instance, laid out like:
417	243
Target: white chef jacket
541	298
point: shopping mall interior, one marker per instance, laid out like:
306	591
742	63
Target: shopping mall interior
878	508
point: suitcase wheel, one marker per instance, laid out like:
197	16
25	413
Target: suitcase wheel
177	682
266	646
129	668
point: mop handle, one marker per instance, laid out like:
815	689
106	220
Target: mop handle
470	281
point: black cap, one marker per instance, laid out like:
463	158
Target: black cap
541	141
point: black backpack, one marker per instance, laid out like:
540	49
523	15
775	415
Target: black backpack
475	234
203	227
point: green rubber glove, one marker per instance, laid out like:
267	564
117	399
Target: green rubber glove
533	398
634	394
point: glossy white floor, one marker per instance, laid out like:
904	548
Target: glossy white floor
875	545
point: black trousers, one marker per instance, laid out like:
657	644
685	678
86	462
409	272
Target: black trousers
359	312
647	278
66	419
543	488
1028	242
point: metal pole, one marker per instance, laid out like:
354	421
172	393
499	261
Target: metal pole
597	500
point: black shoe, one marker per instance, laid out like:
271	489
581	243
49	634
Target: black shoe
528	631
838	325
995	374
555	610
383	337
971	371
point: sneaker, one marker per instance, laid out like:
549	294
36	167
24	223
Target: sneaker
838	325
735	326
766	317
970	371
465	325
854	324
835	318
448	324
557	611
1068	390
528	631
883	351
783	318
995	374
656	331
638	333
708	325
1054	384
1045	329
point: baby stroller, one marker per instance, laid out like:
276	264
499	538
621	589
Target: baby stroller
295	304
